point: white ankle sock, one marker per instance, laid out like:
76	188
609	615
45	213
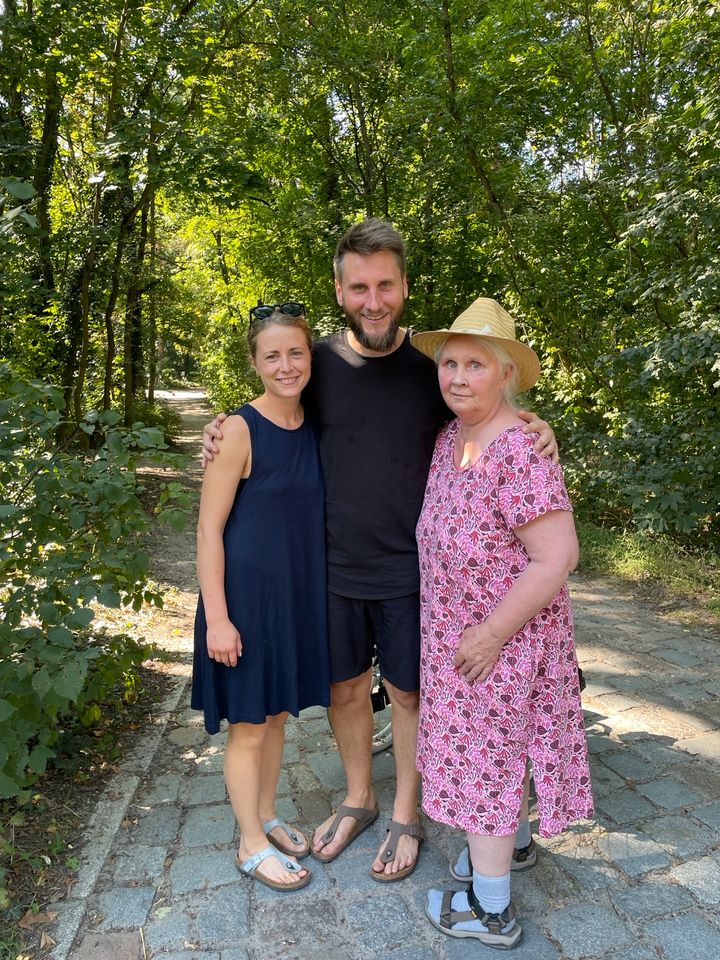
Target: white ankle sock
523	835
492	892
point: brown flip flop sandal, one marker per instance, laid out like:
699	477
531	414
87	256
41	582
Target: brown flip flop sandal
396	830
293	834
363	819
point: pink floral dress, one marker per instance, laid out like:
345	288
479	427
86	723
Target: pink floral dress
474	738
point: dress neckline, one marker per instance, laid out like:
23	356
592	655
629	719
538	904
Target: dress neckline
277	425
470	466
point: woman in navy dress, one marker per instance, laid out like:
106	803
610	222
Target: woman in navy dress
260	631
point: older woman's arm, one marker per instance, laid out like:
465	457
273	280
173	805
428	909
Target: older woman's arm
218	493
552	547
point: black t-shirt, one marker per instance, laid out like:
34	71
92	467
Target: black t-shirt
378	418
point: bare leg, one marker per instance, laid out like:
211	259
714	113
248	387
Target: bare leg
269	776
243	763
352	720
491	856
405	707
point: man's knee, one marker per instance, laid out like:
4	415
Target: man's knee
402	699
348	693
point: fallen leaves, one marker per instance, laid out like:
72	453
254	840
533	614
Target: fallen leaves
31	919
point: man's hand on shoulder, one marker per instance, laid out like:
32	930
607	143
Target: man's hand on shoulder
211	433
546	444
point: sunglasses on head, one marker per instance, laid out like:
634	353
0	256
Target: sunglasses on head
264	310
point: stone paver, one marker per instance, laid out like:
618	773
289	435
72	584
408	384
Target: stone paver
669	792
158	826
163	789
686	938
630	764
109	946
709	814
625	806
680	836
639	882
208	824
633	852
202	869
168	927
121	908
223	916
701	877
140	862
206	789
651	900
585	929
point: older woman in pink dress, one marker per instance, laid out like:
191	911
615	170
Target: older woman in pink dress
499	682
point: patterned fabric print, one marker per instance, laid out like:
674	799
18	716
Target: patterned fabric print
474	738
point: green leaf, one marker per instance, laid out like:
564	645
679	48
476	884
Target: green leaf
108	597
42	682
177	519
20	189
79	618
39	757
9	787
68	683
6	710
115	442
62	636
49	613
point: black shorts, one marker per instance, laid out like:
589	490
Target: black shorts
358	628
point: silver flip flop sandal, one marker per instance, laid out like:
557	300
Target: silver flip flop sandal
249	869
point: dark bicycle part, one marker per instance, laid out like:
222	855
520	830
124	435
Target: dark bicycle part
379	695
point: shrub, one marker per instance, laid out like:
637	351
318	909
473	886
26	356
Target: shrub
71	528
158	414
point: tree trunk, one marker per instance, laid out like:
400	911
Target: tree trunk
42	181
152	309
132	336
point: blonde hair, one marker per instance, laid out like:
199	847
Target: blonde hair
277	318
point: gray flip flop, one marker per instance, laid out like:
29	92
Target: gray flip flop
249	869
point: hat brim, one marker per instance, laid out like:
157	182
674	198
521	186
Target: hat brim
524	357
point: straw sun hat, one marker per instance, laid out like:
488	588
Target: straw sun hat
487	320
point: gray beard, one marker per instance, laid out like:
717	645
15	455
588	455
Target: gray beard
381	343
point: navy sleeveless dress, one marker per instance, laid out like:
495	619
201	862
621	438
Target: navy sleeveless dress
274	585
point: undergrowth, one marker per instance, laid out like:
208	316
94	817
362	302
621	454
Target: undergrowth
687	580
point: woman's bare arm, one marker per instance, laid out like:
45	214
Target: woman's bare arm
218	493
551	543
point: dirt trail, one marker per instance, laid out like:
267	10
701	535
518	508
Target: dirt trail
173	553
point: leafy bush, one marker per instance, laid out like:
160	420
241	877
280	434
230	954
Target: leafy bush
226	369
158	414
648	454
71	527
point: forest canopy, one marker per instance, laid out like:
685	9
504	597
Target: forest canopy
163	166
